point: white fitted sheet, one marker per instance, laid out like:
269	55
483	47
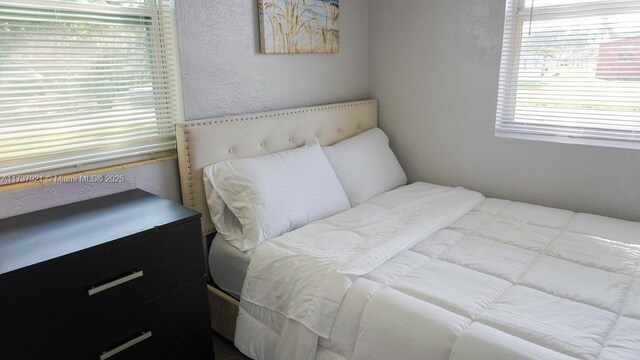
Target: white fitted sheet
228	266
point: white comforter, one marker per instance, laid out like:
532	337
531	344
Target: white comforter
400	278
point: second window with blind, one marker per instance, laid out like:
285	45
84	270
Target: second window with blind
571	72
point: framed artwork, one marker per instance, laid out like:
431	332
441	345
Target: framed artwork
299	26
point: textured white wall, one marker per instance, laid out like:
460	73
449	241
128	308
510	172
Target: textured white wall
223	73
434	66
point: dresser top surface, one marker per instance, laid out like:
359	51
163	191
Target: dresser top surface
36	238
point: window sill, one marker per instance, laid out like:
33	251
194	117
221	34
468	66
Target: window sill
86	176
571	140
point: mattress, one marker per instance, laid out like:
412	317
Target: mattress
506	280
228	266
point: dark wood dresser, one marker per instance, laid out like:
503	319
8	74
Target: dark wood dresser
117	277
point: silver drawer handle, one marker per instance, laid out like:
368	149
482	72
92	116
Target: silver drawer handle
107	354
114	283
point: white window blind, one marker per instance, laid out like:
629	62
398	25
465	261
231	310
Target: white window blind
571	72
86	83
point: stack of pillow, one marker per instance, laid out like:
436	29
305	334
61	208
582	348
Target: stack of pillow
255	199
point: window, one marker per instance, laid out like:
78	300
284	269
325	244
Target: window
86	84
571	72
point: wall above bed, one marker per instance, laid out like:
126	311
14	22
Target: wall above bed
223	72
434	68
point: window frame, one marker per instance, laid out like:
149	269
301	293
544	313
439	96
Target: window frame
517	13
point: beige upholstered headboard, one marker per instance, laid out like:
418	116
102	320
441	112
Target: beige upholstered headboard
204	142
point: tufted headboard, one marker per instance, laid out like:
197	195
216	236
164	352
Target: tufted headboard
204	142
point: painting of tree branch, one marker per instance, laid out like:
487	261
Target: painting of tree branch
299	26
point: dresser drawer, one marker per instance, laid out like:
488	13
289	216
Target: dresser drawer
144	332
50	302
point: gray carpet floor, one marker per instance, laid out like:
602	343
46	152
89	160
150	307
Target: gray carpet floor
225	350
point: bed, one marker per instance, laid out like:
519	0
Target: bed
420	272
203	142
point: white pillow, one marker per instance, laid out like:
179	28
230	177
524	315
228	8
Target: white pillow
259	198
366	166
225	221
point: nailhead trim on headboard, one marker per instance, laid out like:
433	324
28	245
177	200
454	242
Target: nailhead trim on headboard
283	113
191	124
189	188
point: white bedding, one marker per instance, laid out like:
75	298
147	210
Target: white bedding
505	281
